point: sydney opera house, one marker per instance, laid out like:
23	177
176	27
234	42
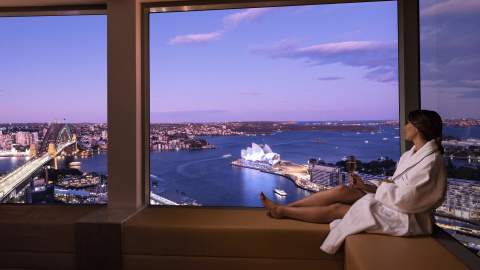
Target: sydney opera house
258	153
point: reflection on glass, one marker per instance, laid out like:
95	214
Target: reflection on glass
450	56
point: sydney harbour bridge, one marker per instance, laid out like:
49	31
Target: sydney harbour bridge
58	139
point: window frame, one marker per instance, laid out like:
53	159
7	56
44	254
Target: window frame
408	58
44	11
136	14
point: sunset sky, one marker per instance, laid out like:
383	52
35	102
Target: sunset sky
326	62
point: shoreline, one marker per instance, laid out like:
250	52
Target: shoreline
308	186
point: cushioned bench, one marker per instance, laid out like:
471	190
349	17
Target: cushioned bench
374	251
203	238
39	237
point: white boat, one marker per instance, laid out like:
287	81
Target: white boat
227	156
366	141
280	192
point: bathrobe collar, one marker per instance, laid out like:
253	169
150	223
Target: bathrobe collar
410	158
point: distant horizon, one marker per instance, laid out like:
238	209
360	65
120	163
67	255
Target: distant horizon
247	121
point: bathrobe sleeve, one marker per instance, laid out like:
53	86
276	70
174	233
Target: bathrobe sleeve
416	191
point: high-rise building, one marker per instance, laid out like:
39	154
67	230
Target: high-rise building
104	135
23	138
34	137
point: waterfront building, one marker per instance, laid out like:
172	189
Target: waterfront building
325	175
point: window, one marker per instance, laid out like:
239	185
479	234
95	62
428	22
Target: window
53	132
270	99
450	60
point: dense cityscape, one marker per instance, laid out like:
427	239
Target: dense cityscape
62	178
58	179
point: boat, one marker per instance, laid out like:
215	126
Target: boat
366	141
280	192
385	139
227	156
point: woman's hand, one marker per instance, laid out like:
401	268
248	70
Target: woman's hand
356	181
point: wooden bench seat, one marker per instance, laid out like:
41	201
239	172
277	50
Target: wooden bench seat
39	236
375	251
186	238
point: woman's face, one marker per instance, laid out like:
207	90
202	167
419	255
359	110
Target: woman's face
410	131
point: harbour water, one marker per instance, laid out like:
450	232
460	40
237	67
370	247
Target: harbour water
208	178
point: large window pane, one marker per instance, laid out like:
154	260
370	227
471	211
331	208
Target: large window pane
53	110
450	61
242	101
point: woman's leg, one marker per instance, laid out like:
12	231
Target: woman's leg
338	194
314	214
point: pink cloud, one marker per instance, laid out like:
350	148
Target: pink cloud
452	7
196	38
378	58
235	19
229	22
341	47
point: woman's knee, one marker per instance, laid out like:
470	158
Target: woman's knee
339	209
341	188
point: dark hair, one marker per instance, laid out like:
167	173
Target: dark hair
430	125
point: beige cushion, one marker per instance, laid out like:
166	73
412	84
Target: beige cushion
222	233
135	262
40	227
374	251
37	260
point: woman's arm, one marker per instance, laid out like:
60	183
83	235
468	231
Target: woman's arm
369	188
421	189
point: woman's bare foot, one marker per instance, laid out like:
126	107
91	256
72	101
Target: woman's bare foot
273	210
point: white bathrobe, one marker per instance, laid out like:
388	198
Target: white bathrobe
404	207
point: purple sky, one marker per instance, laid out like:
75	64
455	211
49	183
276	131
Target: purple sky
53	68
327	62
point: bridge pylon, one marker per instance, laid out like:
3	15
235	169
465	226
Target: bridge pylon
52	150
33	150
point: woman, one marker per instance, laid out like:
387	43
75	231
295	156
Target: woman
401	205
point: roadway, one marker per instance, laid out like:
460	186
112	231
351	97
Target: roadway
22	173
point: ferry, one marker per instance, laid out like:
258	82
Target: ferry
74	164
280	192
